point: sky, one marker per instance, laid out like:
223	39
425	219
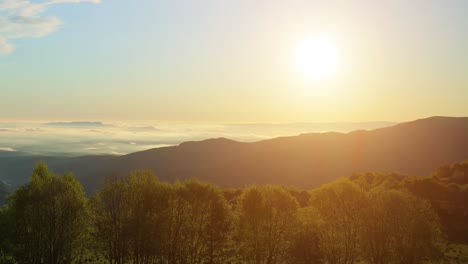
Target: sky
212	61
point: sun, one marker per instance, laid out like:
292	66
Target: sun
317	57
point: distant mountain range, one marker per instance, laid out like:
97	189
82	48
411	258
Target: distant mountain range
76	124
306	161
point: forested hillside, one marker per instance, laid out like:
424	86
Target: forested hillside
366	218
446	189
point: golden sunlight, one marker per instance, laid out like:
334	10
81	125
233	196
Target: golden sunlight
317	57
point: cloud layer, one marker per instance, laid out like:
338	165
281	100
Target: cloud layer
83	138
26	19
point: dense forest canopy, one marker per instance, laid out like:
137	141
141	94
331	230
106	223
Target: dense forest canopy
366	218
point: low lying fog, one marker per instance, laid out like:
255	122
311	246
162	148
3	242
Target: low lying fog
84	138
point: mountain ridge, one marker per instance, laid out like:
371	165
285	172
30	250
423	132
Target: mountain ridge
306	160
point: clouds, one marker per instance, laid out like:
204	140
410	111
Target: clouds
5	47
7	149
26	19
84	138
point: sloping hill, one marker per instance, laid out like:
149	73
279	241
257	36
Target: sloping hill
308	160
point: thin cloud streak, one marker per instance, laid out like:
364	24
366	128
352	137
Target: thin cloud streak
8	149
25	19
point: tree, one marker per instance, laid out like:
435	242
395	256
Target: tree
415	230
49	218
110	216
399	227
339	206
267	217
305	248
6	247
148	217
141	220
130	217
376	230
200	224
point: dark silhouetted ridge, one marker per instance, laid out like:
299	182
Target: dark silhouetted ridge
307	160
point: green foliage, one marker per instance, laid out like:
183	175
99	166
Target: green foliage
340	207
267	218
446	190
454	254
142	220
456	173
110	215
46	219
399	227
306	247
369	218
379	226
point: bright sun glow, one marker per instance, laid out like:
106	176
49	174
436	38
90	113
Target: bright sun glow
317	57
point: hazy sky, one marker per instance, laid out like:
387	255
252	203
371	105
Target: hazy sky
230	61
